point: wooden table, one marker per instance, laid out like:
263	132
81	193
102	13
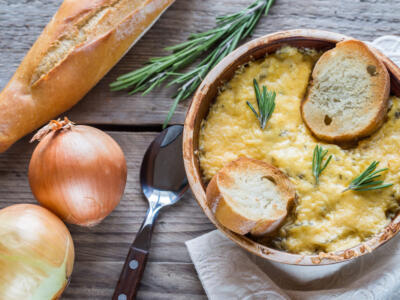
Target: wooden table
135	120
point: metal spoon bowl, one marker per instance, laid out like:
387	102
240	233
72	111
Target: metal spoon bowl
163	182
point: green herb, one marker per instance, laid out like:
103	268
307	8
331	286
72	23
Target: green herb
265	103
221	40
317	163
366	181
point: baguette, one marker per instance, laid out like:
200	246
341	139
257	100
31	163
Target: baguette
348	97
82	42
250	196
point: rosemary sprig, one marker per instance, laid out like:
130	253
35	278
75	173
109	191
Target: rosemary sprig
265	103
366	181
317	163
221	40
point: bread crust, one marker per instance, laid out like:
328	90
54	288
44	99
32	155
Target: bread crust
237	221
381	88
26	104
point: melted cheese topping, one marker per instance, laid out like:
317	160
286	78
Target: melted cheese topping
324	219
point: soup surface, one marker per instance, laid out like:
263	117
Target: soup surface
324	218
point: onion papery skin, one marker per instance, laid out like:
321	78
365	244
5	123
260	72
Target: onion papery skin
36	253
78	173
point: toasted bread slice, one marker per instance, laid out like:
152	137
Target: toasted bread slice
250	196
349	93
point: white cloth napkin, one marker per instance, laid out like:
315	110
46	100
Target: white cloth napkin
228	272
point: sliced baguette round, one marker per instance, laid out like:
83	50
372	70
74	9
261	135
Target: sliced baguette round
348	95
250	196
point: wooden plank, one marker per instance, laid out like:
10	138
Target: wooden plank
160	281
101	250
22	21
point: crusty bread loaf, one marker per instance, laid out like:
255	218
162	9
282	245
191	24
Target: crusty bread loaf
250	196
348	97
82	42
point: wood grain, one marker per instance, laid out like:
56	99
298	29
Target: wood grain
101	250
21	21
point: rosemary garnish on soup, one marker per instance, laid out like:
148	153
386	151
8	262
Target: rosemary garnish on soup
317	163
366	181
265	103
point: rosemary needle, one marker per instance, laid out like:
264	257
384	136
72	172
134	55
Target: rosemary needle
265	103
317	163
217	42
366	181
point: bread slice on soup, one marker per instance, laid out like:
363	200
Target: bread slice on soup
250	196
348	95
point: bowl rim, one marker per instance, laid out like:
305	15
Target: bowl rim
195	178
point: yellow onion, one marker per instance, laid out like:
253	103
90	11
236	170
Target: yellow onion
36	253
78	172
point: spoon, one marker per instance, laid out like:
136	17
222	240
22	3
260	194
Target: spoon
163	182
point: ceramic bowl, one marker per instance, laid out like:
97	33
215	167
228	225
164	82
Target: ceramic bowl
205	95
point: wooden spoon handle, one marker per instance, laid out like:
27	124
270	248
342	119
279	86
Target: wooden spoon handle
135	263
131	274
